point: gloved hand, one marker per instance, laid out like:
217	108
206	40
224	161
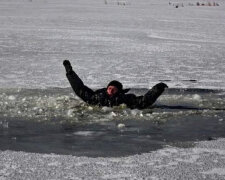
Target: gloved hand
159	88
67	65
161	85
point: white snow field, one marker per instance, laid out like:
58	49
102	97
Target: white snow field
205	161
139	42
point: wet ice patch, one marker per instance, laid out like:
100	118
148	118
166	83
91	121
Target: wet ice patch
121	126
70	113
88	133
218	171
84	133
106	109
4	124
197	97
12	98
112	114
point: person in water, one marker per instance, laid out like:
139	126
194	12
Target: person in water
113	94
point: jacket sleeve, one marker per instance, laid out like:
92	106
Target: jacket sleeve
148	99
84	92
132	101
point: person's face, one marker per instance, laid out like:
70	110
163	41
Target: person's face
112	90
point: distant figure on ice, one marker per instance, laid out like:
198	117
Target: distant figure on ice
113	94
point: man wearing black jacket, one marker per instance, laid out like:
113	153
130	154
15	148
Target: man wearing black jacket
114	94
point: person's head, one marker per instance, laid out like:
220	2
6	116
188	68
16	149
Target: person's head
114	87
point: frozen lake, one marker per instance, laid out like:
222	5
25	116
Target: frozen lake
141	43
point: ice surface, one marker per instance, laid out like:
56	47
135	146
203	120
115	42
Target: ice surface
136	44
140	44
219	171
205	161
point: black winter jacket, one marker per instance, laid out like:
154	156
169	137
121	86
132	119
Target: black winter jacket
101	98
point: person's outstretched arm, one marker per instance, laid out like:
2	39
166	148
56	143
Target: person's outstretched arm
141	102
84	92
152	95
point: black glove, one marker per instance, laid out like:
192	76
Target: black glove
67	66
162	85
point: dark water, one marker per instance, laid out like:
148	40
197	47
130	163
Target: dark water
55	121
